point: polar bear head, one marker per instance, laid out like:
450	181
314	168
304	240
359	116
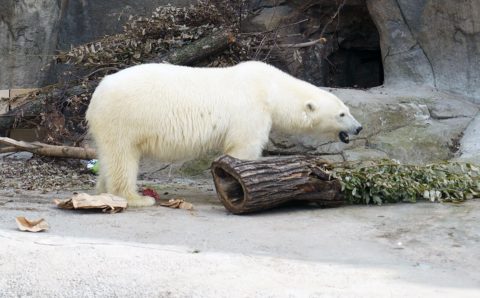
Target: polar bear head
327	114
299	107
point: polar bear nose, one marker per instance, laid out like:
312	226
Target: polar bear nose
359	129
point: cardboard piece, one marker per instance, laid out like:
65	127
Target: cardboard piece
19	92
38	225
105	202
4	104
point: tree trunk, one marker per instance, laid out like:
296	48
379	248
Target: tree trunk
249	186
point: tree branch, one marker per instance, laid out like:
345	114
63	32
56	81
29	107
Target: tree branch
321	40
47	150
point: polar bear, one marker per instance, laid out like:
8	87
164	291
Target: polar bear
176	113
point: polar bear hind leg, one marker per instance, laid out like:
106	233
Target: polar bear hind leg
101	186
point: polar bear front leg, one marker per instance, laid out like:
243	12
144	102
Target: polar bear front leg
246	150
245	153
248	143
120	170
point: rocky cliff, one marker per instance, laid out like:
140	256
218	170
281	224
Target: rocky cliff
31	31
28	38
434	42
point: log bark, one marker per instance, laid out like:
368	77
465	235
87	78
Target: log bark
199	50
46	149
250	186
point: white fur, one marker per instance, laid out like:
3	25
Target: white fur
177	113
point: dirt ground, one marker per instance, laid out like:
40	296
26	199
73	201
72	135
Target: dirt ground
413	250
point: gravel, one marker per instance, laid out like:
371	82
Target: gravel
44	174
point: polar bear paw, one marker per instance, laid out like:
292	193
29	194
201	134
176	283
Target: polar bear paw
141	201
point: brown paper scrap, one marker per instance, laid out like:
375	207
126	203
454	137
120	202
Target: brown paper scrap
105	202
38	225
177	203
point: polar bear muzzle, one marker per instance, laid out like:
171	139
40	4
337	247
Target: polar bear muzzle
344	137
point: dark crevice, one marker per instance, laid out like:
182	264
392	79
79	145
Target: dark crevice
356	68
356	59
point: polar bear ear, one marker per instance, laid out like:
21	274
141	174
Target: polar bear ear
310	106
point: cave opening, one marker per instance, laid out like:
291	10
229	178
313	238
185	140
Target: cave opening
356	68
357	62
353	57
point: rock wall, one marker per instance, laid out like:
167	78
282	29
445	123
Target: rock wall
28	35
31	31
433	42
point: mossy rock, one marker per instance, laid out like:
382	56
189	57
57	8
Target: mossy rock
197	167
421	143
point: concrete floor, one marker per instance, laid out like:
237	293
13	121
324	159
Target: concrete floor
404	250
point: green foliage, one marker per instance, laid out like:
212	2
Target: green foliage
390	182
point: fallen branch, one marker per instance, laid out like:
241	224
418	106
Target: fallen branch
199	50
304	44
47	150
8	149
339	8
37	100
28	109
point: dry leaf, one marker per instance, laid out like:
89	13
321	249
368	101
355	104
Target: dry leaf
177	203
105	202
31	226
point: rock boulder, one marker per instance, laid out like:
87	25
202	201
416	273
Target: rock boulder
433	42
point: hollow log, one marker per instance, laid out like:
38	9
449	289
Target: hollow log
249	186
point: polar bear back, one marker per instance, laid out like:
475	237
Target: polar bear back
171	111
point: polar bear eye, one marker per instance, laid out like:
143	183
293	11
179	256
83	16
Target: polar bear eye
342	115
